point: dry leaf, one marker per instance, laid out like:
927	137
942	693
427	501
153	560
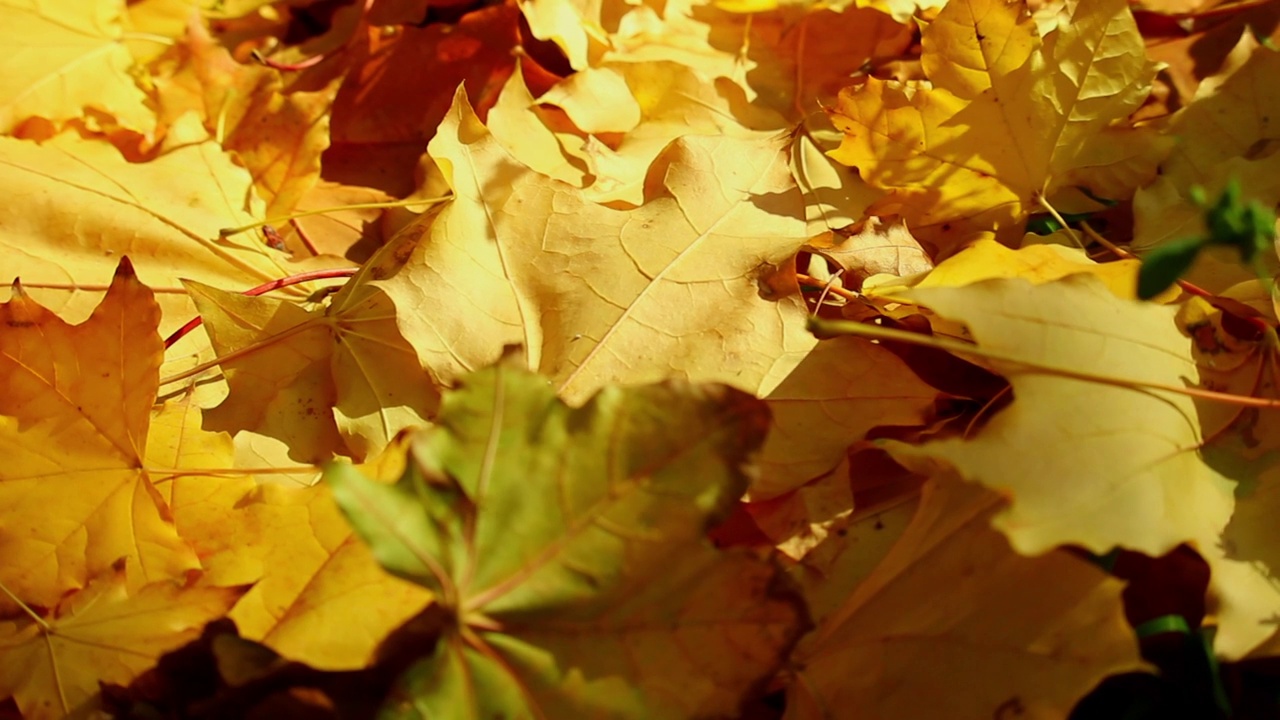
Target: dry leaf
1126	458
52	666
1005	119
1028	634
873	247
74	430
65	58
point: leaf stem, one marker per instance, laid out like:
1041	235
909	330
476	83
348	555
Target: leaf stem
26	608
827	287
1187	287
265	287
288	67
1071	232
876	332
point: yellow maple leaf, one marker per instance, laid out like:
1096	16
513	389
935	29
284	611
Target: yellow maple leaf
518	122
649	104
1232	115
73	429
1009	117
671	288
64	58
872	247
277	136
318	595
1125	460
76	206
986	259
842	388
445	273
1242	442
52	666
1014	634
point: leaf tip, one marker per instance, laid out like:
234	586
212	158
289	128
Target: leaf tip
125	271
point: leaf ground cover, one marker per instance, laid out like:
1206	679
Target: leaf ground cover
627	359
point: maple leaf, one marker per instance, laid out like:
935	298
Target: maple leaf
65	58
76	206
52	666
445	277
1033	634
372	106
1126	460
842	389
650	105
337	380
73	427
805	53
610	576
830	572
318	594
672	287
1240	442
872	247
986	259
1009	117
1230	115
346	221
277	135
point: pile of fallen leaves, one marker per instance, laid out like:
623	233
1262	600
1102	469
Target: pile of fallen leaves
636	359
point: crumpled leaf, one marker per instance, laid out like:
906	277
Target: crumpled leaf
649	104
63	58
1125	460
1014	634
611	602
1242	442
1008	117
872	247
73	430
102	633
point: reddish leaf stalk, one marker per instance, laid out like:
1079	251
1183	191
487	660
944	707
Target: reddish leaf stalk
288	67
265	288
